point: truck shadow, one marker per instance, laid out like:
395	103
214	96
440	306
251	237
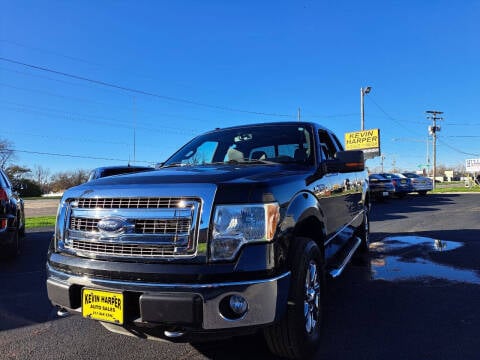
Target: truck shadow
393	209
241	347
23	298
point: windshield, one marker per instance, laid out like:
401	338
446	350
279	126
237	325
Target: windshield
269	143
376	177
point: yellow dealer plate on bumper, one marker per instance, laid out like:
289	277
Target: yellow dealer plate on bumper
102	305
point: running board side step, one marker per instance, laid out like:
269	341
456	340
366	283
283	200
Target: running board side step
349	251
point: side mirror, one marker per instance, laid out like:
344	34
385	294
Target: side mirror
347	161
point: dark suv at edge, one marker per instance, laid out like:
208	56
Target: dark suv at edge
12	218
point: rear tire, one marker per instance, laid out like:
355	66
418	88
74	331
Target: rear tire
12	250
297	334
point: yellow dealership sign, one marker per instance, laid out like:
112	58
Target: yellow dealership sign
362	140
367	140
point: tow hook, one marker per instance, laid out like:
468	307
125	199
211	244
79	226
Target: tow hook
173	334
61	312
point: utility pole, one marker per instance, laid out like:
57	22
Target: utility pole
298	114
134	128
428	156
433	115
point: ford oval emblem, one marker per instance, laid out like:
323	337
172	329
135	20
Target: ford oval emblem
112	224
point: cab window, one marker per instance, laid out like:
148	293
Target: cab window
327	146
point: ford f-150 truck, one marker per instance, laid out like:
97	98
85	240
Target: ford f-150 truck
233	234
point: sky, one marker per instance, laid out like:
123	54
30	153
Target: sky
96	83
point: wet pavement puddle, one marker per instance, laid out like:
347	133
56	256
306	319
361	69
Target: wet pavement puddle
398	258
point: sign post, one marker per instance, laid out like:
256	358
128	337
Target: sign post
473	166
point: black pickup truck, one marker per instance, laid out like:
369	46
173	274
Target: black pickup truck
233	234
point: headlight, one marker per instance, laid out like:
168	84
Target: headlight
235	225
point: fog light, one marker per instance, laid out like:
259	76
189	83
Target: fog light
238	304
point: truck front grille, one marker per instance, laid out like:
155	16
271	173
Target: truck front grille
133	227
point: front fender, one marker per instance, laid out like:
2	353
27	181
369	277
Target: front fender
303	209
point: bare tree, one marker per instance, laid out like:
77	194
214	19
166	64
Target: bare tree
6	152
64	180
42	176
441	170
459	168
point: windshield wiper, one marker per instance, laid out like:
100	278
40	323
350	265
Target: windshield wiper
175	164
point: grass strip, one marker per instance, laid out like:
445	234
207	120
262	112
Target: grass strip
40	221
439	190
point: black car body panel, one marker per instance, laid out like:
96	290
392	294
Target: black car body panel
12	217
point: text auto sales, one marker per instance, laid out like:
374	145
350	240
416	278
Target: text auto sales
112	301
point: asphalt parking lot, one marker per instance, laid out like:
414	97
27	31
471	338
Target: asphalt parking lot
415	296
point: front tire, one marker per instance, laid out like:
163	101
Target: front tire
297	334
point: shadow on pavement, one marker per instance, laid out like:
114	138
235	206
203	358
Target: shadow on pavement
411	204
23	295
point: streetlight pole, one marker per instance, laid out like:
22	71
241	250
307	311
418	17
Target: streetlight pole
362	108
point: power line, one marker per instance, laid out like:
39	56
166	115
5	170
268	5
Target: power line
461	124
141	92
64	138
74	156
307	115
72	58
457	150
402	125
116	106
23	108
462	136
49	52
331	116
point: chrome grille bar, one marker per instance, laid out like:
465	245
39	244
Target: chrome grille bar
131	203
122	249
144	226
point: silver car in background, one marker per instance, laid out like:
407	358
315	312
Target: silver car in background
420	184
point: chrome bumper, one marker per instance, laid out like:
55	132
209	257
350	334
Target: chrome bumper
267	298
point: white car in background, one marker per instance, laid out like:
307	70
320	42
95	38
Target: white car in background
420	184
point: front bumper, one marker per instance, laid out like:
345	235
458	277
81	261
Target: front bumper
422	187
190	306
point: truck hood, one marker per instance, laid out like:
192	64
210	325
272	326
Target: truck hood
239	183
243	173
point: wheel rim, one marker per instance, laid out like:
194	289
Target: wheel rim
311	304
